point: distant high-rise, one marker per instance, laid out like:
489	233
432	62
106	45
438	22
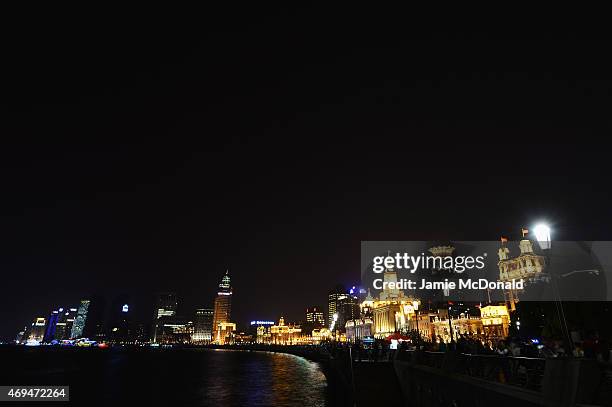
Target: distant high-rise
337	294
37	331
203	325
223	305
120	323
79	322
167	305
95	322
65	320
348	310
314	315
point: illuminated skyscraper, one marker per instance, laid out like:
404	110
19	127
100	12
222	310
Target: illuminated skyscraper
314	315
37	331
167	304
79	322
348	310
203	325
337	294
65	320
223	306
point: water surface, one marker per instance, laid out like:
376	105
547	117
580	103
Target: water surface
191	377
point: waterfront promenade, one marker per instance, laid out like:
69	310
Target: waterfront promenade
421	378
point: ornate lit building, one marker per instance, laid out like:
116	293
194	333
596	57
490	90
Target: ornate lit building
527	265
461	325
263	335
320	335
425	325
492	324
392	311
223	306
283	334
225	333
359	329
495	321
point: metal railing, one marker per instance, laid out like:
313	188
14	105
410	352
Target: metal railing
519	371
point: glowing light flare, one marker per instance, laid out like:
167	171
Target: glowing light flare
542	233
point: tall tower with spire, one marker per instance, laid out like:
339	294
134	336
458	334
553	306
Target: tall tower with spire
223	306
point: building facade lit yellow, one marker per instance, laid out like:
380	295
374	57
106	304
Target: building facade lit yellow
527	265
495	321
225	333
283	334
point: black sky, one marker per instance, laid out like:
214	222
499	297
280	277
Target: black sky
147	155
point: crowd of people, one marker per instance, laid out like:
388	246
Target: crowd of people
375	350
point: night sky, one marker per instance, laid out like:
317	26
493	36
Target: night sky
146	155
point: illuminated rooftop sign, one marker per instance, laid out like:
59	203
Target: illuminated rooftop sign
262	322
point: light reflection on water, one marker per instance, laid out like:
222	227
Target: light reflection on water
175	377
263	379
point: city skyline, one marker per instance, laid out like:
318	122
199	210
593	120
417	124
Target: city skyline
276	155
166	305
339	300
390	311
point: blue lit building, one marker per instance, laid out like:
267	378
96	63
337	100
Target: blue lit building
51	325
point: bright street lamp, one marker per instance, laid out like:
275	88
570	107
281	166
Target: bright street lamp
332	326
542	233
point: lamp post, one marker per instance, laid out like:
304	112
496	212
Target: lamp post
415	306
542	233
450	324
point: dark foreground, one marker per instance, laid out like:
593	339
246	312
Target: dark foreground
181	377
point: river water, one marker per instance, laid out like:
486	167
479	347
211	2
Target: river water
185	377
